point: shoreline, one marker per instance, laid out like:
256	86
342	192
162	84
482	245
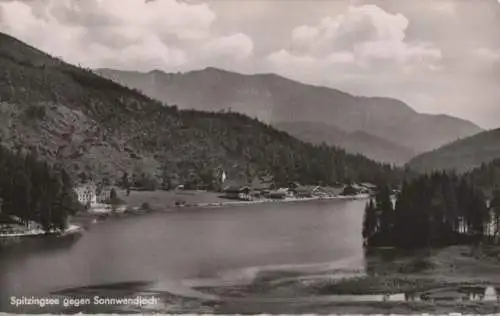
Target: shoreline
269	201
71	229
85	220
79	227
460	277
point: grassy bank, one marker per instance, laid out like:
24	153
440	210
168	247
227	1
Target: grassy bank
167	199
164	200
442	274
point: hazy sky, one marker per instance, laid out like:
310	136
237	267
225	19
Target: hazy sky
439	56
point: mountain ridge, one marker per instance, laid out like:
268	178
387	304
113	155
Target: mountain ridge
357	142
273	98
94	126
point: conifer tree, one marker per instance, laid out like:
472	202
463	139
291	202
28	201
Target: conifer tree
369	222
429	211
495	209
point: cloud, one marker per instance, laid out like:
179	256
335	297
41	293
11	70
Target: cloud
365	36
237	46
419	51
133	34
486	54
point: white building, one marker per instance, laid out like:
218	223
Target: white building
105	194
86	194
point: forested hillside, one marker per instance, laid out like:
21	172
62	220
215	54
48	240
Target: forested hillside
462	155
94	126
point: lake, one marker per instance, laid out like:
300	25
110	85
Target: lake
179	249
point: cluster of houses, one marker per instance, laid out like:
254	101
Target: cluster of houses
363	188
265	188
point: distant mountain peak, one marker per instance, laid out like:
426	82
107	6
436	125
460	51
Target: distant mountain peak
98	127
272	98
212	68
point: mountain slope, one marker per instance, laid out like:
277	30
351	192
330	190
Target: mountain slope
272	98
461	155
358	142
97	127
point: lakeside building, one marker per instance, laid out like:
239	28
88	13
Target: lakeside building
365	188
242	190
95	198
86	193
262	185
278	194
305	190
104	194
238	192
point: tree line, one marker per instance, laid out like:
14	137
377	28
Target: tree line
437	209
486	176
33	190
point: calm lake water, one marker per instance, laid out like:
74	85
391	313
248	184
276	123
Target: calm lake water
176	249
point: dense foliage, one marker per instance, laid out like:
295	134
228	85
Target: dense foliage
486	176
121	130
432	210
32	190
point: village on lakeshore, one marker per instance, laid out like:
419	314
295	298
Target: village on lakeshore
261	188
99	199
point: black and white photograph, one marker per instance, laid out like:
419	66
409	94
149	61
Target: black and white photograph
250	157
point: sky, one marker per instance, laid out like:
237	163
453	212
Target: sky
438	56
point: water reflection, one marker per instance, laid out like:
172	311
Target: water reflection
172	247
46	245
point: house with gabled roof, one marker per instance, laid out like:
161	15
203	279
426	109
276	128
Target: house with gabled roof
237	190
262	184
306	190
277	194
